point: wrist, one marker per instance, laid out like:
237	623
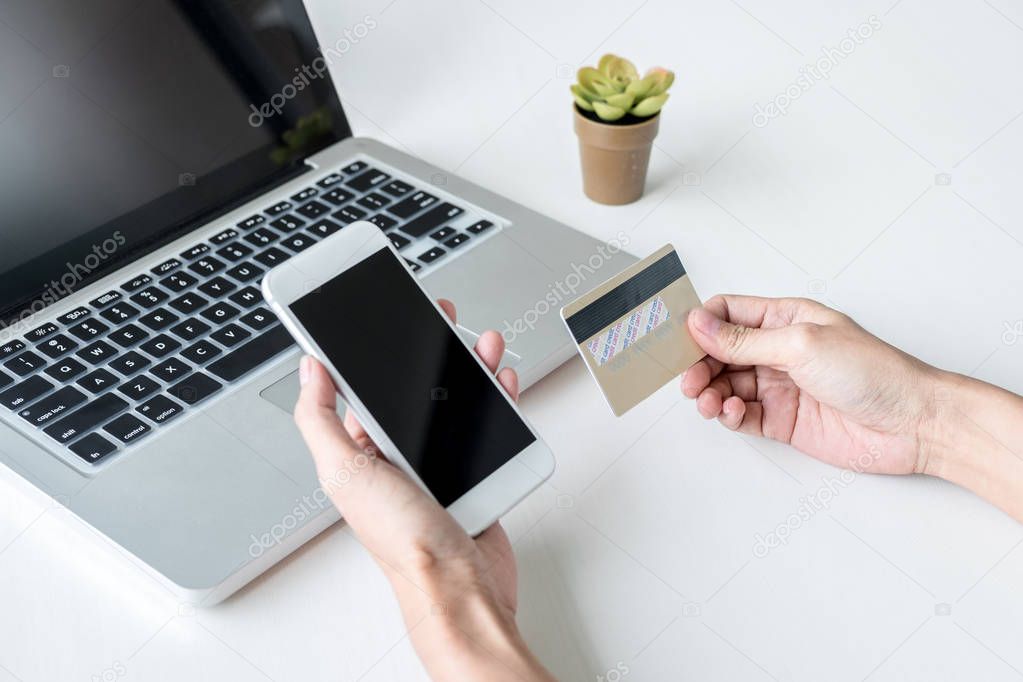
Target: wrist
974	439
473	637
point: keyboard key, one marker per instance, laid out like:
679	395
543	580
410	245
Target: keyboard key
435	217
414	266
218	286
398	241
251	355
92	448
150	297
97	381
105	300
41	332
74	315
225	236
166	266
288	223
25	364
443	233
278	208
329	180
368	180
88	330
127	428
246	272
247	297
323	228
65	370
261	237
194	388
52	406
271	257
120	312
397	188
432	255
480	226
159	409
138	388
230	335
251	222
456	241
129	363
234	252
159	319
298	242
128	335
355	167
55	346
314	209
200	352
189	303
259	319
374	201
11	347
409	206
25	392
6	380
384	222
219	312
179	281
190	329
206	266
160	345
338	196
198	250
170	369
305	195
137	283
349	214
97	353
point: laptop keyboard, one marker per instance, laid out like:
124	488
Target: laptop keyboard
107	374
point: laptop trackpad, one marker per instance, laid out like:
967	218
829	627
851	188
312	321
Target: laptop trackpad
284	392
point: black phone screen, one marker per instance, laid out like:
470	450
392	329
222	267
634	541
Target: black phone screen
414	375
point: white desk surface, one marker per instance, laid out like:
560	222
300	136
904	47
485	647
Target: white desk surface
639	553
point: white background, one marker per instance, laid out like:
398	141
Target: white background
639	552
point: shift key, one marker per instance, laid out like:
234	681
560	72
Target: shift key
433	218
96	412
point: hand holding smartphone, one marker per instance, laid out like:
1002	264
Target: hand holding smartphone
422	395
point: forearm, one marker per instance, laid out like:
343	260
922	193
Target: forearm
975	439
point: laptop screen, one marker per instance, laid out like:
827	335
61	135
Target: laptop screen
124	123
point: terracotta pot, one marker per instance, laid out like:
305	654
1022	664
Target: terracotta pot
614	157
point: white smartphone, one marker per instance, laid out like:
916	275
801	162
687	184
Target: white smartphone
421	393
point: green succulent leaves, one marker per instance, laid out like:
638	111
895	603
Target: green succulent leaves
615	89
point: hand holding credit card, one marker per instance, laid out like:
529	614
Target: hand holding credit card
631	330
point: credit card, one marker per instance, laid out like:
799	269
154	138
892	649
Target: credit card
631	330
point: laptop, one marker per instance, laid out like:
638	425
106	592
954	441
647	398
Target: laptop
157	161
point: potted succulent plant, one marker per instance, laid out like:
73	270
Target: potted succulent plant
616	119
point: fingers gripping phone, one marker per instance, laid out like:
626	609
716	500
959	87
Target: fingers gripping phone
421	393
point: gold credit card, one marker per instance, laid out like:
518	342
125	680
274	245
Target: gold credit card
631	330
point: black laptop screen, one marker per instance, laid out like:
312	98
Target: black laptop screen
124	123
